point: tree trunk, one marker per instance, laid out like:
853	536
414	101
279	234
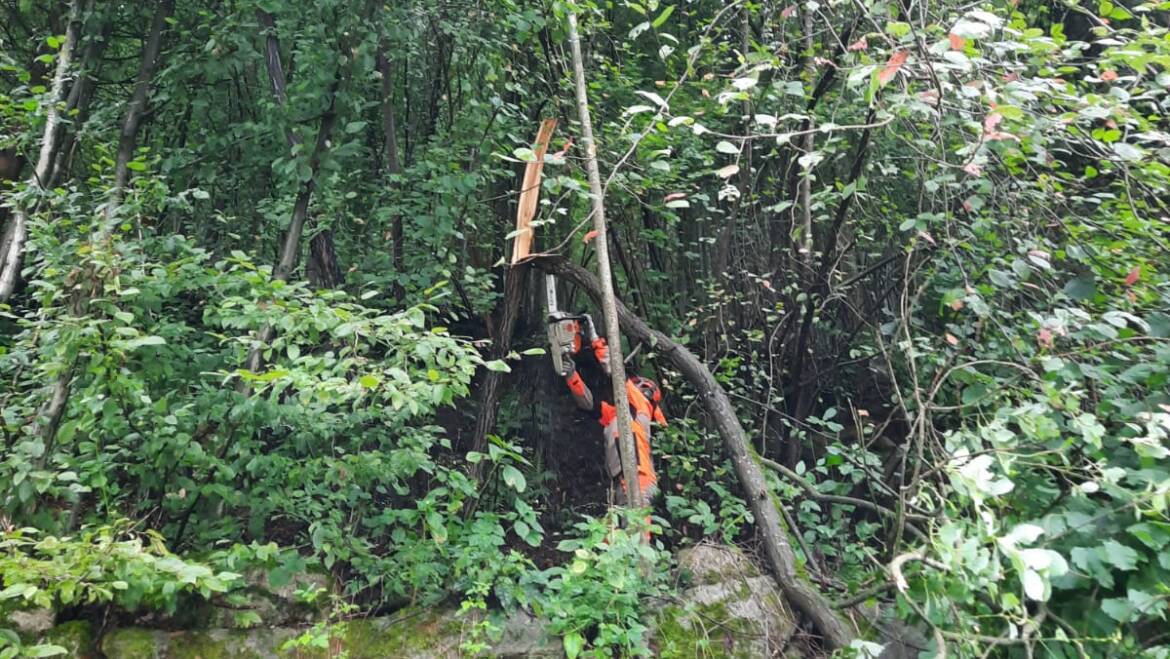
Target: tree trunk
136	109
323	270
802	595
489	390
16	233
613	332
393	165
291	248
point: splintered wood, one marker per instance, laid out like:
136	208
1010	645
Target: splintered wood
530	193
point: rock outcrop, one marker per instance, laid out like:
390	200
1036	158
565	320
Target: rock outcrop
726	608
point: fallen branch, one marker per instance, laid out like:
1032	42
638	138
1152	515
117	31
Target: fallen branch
802	595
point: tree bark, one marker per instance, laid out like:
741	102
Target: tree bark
16	233
323	269
613	332
802	595
291	247
489	390
136	109
393	165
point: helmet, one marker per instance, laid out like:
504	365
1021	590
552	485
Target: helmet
648	388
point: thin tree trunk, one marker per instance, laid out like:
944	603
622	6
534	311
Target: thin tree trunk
16	233
393	165
765	507
80	95
489	390
291	248
323	270
617	366
136	109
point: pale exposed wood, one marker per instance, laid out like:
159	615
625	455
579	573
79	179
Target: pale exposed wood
530	193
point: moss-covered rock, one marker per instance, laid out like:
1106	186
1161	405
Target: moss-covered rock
730	611
76	636
134	643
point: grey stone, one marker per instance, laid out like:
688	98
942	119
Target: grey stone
730	611
31	623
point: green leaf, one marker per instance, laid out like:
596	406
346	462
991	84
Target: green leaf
1081	288
355	127
1117	608
369	381
44	651
497	365
513	478
573	643
133	344
658	22
726	147
1119	555
136	165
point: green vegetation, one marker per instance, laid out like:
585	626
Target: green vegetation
256	317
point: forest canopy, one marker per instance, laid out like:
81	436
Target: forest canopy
898	268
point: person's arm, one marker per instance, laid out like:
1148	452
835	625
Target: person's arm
581	394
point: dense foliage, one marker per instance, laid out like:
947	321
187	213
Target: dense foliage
922	246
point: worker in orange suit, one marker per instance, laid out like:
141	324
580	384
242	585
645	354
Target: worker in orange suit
644	398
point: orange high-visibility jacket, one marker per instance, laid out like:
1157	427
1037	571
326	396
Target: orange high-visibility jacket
642	412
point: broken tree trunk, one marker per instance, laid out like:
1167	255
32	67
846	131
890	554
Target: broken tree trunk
613	332
489	391
802	595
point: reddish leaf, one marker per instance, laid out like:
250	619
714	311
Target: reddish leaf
1044	337
952	340
589	236
991	121
674	195
860	44
891	69
1133	275
957	42
564	149
957	305
1109	76
1011	77
788	11
973	168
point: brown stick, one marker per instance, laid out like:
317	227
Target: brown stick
803	596
613	332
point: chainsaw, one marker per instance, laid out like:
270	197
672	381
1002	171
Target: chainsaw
565	330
